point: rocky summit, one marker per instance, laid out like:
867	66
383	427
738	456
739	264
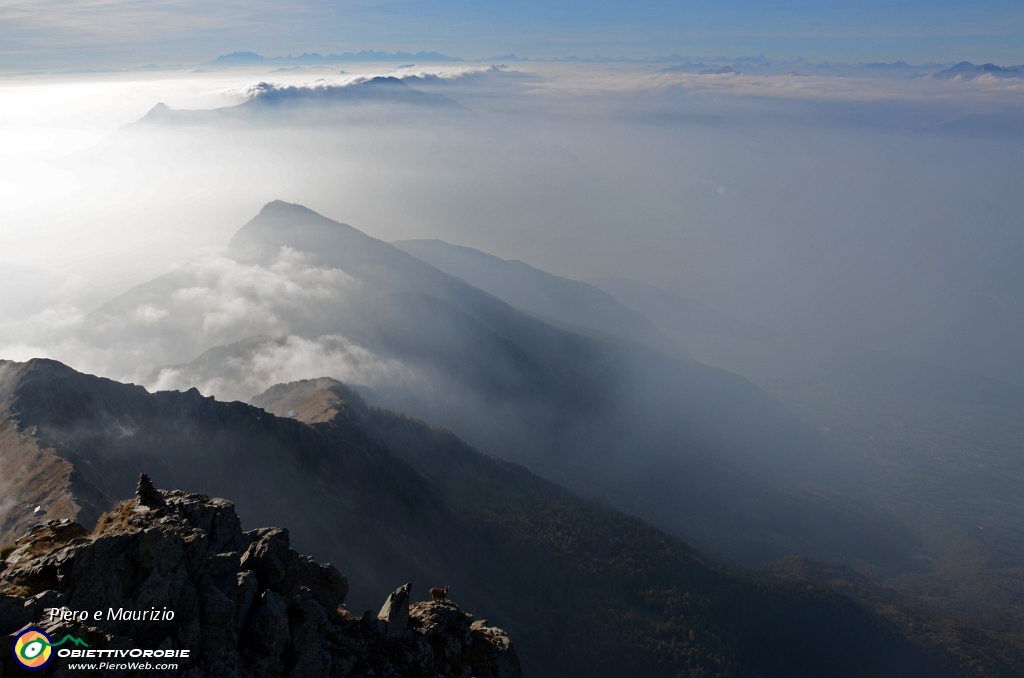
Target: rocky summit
174	573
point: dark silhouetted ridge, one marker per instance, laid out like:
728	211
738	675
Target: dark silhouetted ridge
584	589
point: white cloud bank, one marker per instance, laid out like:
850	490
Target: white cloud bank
214	301
277	361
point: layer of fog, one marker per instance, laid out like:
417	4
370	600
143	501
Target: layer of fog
831	210
288	359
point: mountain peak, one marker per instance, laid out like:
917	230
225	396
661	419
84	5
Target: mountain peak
280	224
332	244
278	206
239	57
311	401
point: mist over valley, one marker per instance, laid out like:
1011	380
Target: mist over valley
666	366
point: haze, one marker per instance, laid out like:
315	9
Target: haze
746	275
878	209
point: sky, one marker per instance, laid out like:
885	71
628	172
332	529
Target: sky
68	34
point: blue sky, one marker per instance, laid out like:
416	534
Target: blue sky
128	32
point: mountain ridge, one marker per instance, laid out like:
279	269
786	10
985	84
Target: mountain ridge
581	587
573	304
251	58
315	104
712	457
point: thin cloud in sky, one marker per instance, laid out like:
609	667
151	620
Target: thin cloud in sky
119	32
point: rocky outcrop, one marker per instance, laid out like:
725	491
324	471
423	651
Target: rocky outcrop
395	613
170	571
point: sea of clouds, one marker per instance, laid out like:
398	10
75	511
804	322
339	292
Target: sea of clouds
877	211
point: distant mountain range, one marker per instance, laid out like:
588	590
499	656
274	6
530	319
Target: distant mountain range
900	65
251	58
679	63
700	68
303	103
964	70
968	71
584	590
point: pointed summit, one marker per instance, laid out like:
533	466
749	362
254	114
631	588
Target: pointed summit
280	206
284	224
326	242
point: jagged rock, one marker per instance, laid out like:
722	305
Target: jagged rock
506	661
37	605
271	557
244	595
459	644
395	613
310	630
325	583
245	604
